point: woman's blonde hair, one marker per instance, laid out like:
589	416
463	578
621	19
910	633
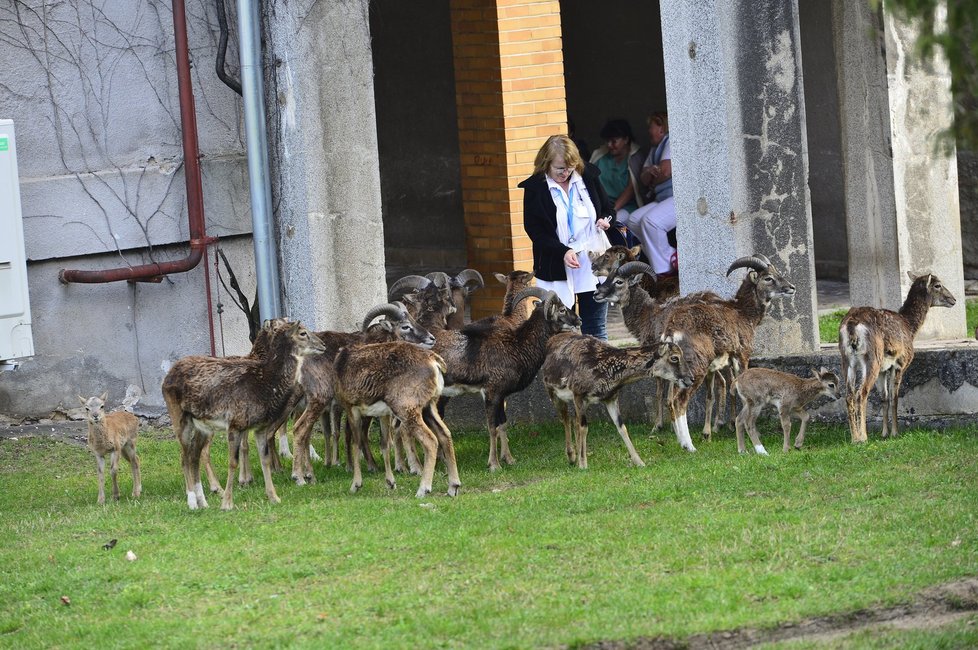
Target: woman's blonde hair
661	118
558	146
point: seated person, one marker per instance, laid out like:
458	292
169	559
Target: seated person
620	162
652	223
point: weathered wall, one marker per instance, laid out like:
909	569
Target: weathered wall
733	74
94	98
925	177
323	157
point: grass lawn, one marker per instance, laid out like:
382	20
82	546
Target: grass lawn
538	554
828	325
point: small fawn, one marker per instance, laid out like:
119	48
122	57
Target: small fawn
115	434
791	394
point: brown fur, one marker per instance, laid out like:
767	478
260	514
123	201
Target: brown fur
718	334
886	350
791	394
206	394
643	315
500	360
318	383
112	434
581	370
604	265
406	381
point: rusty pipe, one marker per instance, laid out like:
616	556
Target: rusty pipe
199	240
191	169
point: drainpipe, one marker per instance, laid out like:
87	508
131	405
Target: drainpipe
253	92
199	240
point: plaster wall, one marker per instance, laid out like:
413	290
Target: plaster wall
324	165
925	174
734	83
93	94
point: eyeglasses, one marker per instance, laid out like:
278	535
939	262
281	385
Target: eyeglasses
560	171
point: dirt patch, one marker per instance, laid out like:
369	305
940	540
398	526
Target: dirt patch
75	433
932	608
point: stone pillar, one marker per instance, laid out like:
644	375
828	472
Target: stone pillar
864	122
325	166
925	172
740	166
509	85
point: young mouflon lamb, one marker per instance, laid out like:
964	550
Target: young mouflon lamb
113	434
791	394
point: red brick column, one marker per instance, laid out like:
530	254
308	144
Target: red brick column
509	93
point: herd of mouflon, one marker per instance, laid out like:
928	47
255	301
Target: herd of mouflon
416	352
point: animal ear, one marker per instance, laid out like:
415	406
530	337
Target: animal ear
591	255
817	374
911	276
752	275
635	250
82	399
104	396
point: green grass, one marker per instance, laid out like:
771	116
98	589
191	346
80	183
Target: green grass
538	554
828	325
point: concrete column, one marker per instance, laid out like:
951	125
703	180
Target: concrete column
740	167
509	85
925	172
325	166
864	121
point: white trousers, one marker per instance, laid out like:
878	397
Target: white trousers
650	223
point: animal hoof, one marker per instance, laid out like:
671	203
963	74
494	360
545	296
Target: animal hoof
639	463
392	484
355	488
761	451
689	448
423	492
227	506
453	490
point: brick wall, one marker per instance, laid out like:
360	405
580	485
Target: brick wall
509	92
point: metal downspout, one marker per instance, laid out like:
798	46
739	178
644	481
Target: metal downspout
252	85
199	240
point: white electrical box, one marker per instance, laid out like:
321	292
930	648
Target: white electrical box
16	340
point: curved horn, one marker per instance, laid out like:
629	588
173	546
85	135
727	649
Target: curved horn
633	268
763	259
531	292
548	301
391	310
407	284
750	262
440	279
466	277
